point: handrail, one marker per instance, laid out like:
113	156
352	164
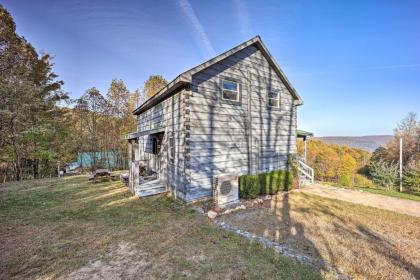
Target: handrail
304	164
306	170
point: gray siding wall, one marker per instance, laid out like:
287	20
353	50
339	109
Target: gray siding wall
169	116
248	137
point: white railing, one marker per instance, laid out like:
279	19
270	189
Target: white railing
305	171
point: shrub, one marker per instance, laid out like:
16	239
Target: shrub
362	181
275	181
345	180
265	183
249	186
411	180
384	173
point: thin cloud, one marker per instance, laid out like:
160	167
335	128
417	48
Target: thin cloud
243	19
200	36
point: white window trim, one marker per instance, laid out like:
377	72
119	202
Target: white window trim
278	98
237	90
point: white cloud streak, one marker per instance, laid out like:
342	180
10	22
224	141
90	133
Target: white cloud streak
200	36
243	19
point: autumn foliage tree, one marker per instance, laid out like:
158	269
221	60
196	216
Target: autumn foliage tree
384	162
101	121
153	84
332	162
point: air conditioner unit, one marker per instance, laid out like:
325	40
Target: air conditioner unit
225	190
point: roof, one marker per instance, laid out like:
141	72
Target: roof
304	134
137	134
186	77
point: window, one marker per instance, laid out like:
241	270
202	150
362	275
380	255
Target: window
230	90
171	149
273	98
155	148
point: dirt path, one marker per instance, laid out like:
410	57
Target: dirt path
402	206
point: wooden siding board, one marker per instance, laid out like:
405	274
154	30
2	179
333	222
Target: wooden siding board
219	138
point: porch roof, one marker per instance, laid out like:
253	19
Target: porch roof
137	134
303	134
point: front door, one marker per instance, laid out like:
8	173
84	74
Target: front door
156	152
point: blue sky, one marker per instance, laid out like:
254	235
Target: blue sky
355	63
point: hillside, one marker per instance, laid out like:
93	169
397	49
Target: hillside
367	143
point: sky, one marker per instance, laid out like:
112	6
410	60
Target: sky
356	64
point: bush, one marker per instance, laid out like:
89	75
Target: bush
345	180
411	180
384	173
362	181
249	186
265	183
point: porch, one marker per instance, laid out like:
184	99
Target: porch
305	172
145	163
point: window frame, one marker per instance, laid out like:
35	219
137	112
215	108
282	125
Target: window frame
171	152
238	91
271	90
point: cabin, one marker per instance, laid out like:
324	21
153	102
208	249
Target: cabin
233	114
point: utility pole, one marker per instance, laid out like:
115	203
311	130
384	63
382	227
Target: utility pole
401	164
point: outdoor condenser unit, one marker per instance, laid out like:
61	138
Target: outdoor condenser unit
225	189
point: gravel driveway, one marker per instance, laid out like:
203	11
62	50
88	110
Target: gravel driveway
402	206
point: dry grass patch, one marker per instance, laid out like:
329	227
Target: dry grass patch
72	228
363	242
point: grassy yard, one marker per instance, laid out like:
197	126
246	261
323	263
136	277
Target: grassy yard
363	242
72	228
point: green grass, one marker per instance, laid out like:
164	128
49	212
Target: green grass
391	193
50	228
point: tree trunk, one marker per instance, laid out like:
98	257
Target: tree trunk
15	150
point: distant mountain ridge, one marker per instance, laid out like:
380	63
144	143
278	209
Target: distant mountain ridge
367	143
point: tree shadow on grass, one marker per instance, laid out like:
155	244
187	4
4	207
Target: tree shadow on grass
345	237
291	231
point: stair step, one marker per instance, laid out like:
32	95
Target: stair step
157	186
150	188
148	192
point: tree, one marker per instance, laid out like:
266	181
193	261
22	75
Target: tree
381	153
95	105
384	173
118	97
29	92
133	103
118	121
153	85
348	165
409	130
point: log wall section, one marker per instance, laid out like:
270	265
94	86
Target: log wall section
243	138
167	116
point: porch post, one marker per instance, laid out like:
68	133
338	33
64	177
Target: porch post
136	150
130	162
136	170
304	148
130	151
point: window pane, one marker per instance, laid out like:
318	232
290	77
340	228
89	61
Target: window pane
230	95
230	85
273	94
171	149
273	102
